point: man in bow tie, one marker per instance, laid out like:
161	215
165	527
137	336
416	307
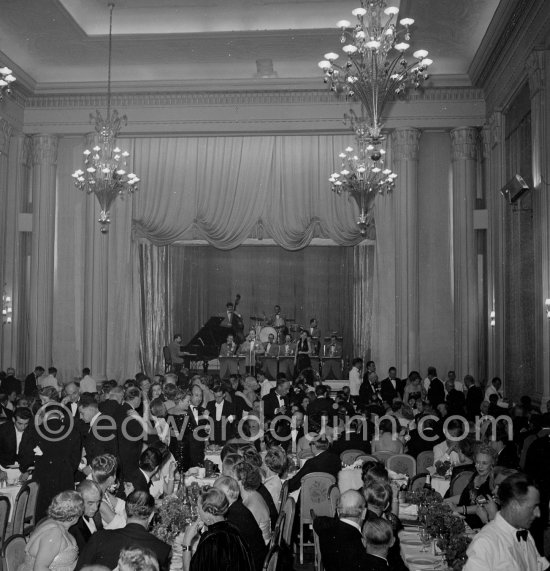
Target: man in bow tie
229	365
90	521
505	542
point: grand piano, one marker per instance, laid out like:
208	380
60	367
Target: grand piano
206	344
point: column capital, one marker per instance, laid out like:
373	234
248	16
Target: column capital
405	143
6	131
536	69
44	149
464	143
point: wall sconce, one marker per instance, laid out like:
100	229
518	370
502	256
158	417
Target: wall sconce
7	310
492	315
547	305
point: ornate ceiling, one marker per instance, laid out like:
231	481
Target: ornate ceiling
62	45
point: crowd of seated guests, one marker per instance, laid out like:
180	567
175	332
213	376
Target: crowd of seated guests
266	428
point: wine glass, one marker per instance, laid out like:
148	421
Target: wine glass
425	538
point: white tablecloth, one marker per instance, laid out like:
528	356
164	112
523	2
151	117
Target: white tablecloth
415	559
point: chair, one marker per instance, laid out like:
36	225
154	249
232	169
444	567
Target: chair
383	455
417	482
318	563
366	458
167	359
271	560
30	512
524	449
4	517
348	457
459	482
19	510
283	496
13	552
290	513
402	464
334	497
423	460
314	497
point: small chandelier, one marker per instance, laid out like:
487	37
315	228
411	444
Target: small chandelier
7	308
363	173
105	171
6	79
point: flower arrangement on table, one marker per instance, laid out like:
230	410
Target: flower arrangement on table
443	468
176	512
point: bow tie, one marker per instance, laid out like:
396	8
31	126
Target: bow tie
522	534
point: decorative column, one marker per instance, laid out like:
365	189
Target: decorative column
44	161
494	175
405	144
96	286
6	131
538	67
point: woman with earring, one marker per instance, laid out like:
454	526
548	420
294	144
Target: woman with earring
211	542
104	474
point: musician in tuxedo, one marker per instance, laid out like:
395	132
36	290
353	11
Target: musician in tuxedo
31	381
222	414
332	354
323	461
176	354
90	521
13	436
340	537
97	431
391	387
149	464
287	352
271	349
251	349
314	335
233	321
104	547
229	366
196	431
271	352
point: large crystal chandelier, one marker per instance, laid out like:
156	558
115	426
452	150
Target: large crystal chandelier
105	171
375	70
6	79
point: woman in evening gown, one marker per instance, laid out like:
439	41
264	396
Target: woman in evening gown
177	420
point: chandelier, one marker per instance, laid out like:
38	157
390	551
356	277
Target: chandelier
6	79
375	71
105	172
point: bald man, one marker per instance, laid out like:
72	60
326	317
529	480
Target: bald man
340	539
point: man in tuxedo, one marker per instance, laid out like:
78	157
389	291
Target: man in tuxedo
97	430
340	538
353	438
391	387
10	383
130	432
104	547
233	321
379	538
314	335
276	403
90	521
241	517
31	381
71	396
222	415
149	464
322	461
196	431
13	435
436	390
474	397
369	393
323	405
228	367
455	400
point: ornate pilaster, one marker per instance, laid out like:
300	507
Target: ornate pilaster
44	161
405	145
464	141
538	67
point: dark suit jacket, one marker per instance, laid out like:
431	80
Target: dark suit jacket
31	388
104	547
324	462
388	393
194	444
139	481
366	392
341	545
129	441
241	517
227	410
8	444
271	403
351	441
456	402
436	392
10	384
81	532
95	441
374	563
474	398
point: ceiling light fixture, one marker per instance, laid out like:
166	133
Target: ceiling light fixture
375	71
105	171
6	79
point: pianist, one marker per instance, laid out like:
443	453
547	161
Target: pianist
176	354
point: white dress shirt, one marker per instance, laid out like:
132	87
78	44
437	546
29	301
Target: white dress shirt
496	548
219	410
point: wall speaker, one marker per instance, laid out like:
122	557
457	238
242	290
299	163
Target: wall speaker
514	189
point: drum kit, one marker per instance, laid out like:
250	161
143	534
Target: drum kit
279	332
